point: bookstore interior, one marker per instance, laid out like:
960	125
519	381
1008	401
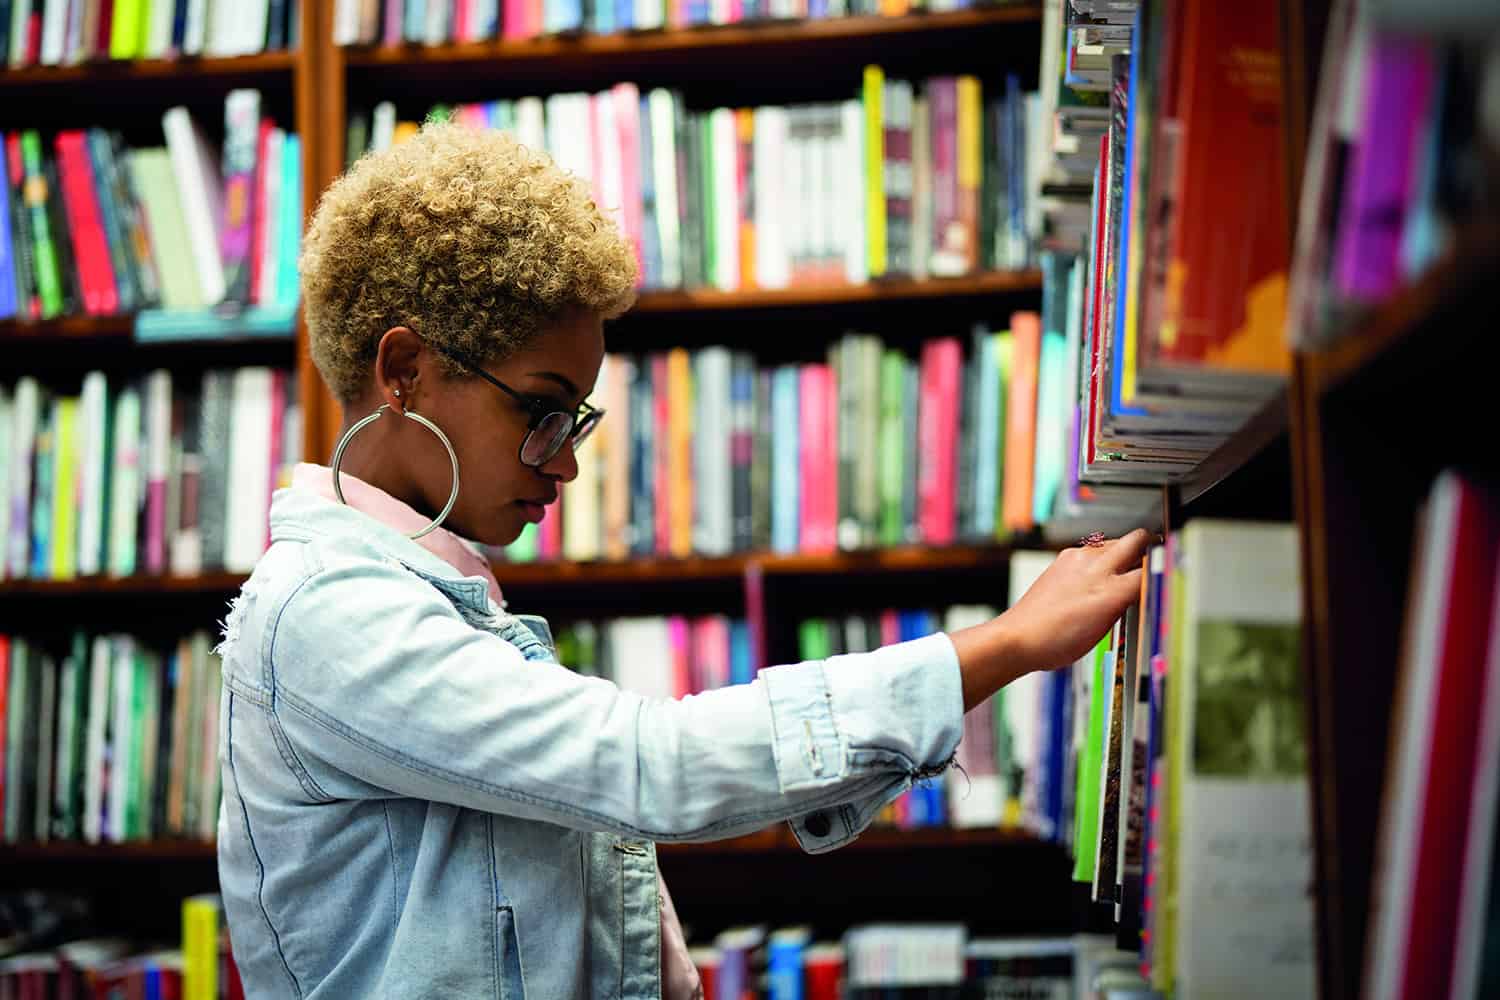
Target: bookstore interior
928	293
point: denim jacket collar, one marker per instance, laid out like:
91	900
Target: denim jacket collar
299	514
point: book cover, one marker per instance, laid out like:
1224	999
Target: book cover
615	446
1020	424
45	254
93	471
28	295
197	177
818	400
892	455
241	137
874	161
786	462
680	473
642	461
166	229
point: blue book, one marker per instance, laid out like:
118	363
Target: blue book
291	221
650	234
1051	426
786	472
414	26
1117	406
269	322
697	12
563	16
741	656
151	982
601	16
642	462
7	253
784	963
41	493
1059	695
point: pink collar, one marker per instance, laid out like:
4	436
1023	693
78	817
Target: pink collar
372	501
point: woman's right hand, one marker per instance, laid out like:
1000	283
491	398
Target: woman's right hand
1069	607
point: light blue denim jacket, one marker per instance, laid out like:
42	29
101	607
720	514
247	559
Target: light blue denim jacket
414	806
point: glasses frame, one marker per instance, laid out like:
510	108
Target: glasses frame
583	420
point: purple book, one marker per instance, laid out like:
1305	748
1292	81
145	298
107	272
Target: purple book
1383	171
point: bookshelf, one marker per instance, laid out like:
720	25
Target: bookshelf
234	70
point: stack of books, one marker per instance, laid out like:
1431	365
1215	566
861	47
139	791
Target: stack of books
108	739
194	244
705	453
442	22
920	179
152	475
68	32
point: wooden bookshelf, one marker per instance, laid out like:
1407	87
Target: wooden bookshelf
126	587
812	296
69	328
186	71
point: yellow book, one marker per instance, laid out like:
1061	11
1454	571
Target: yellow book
970	164
744	127
200	947
65	454
680	453
404	131
875	168
127	29
1164	892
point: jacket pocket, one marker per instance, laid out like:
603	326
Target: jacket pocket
508	955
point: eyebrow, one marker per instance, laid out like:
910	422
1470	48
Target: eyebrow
561	380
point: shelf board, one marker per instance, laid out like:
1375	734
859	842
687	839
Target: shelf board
1264	427
565	54
773	840
186	71
69	328
125	587
876	292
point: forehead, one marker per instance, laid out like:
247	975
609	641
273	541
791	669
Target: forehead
572	347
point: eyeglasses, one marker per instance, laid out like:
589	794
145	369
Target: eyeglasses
547	430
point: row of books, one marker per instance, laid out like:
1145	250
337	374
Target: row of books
91	227
443	22
920	179
109	738
1172	761
703	452
1435	891
938	961
161	474
69	32
36	965
1390	173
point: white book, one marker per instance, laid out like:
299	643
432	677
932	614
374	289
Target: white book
159	29
18	15
768	149
201	191
208	762
649	14
6	416
249	469
94	449
74	49
127	482
531	124
726	207
382	127
483	15
195	31
661	107
825	212
121	758
851	193
1244	850
268	174
609	185
54	31
238	27
346	18
796	159
436	30
26	409
641	656
1024	697
712	471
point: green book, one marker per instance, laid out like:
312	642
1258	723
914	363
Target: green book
1005	347
65	491
868	358
124	479
1086	811
814	641
709	197
44	250
892	472
524	548
127	39
72	712
151	172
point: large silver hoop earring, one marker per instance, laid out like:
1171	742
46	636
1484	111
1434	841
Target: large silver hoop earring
338	458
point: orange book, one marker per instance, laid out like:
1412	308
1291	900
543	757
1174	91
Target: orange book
1020	420
744	128
680	450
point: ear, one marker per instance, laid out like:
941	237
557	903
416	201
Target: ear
399	360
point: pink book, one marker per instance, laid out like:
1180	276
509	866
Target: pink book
716	652
818	523
682	672
597	130
662	507
549	532
463	15
158	446
948	236
393	26
260	208
890	627
937	431
628	126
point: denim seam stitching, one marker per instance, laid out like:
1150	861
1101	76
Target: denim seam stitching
278	733
390	840
260	867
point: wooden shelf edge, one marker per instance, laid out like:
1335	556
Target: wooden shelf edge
1268	423
775	840
264	63
127	586
707	38
710	300
68	328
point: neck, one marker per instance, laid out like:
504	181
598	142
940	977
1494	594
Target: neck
373	457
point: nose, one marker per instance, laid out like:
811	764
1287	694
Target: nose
563	466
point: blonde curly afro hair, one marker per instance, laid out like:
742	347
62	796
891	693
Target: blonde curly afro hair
463	235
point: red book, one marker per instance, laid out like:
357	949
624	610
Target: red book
260	212
937	432
818	524
1091	429
1020	420
661	405
34	36
96	276
683	681
106	24
1453	736
890	627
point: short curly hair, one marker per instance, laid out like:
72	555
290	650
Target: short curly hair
461	234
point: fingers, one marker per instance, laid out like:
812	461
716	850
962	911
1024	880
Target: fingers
1127	588
1128	550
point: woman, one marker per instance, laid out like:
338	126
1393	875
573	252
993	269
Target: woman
417	803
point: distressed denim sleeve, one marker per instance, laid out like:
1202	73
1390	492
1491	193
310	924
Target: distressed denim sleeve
378	686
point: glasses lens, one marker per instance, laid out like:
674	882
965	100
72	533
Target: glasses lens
543	442
586	426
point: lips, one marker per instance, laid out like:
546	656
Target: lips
535	510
